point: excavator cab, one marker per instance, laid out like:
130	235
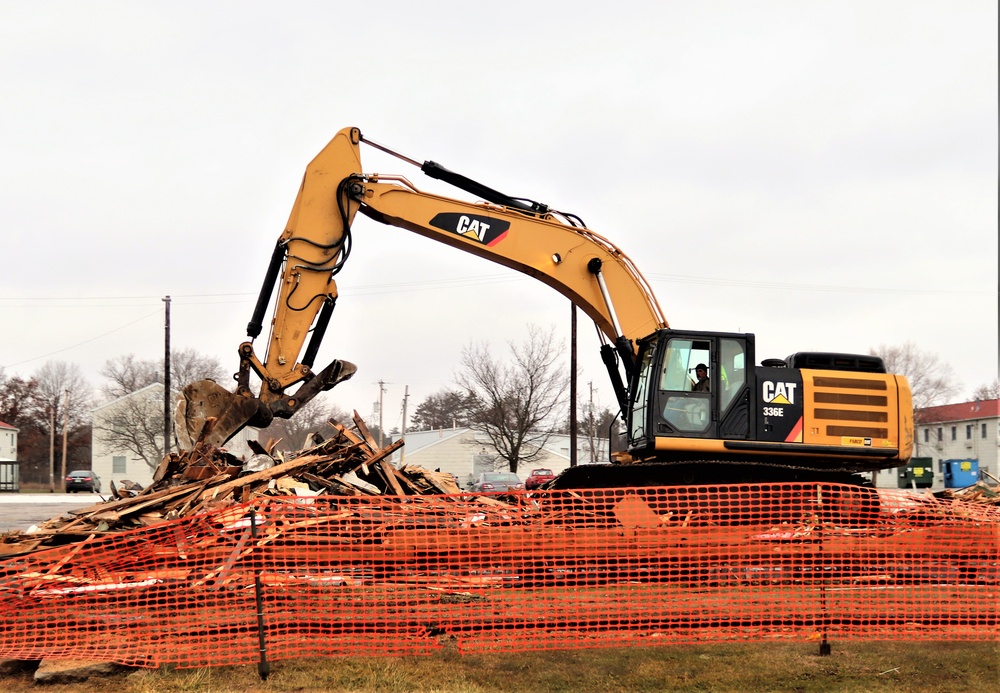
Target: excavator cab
667	401
812	410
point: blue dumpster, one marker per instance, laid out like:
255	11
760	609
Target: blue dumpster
960	473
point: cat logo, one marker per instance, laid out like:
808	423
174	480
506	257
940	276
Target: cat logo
779	393
479	228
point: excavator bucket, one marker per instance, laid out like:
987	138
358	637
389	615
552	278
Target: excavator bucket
208	412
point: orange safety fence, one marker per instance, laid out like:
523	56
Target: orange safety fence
325	576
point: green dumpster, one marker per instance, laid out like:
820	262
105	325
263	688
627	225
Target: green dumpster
919	473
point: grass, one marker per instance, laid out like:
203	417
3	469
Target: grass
852	667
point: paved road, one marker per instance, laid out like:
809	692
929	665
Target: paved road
21	510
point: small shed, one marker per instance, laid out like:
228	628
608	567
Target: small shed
9	475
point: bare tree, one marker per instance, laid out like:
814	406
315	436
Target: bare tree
134	424
516	402
62	384
932	381
988	391
67	396
187	366
133	419
127	374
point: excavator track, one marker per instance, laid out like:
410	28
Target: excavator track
708	472
727	493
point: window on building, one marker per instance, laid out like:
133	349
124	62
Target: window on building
984	430
968	432
927	435
954	433
118	465
940	436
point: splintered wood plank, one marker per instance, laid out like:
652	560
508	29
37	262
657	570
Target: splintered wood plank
378	457
390	475
264	475
363	428
127	503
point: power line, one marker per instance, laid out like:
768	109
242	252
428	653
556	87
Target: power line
787	286
459	282
86	341
360	290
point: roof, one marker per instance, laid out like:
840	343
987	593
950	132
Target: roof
418	440
8	426
556	445
965	411
146	389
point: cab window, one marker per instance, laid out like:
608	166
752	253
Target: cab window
685	410
679	362
732	370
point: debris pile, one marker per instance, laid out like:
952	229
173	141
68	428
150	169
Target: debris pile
980	492
207	478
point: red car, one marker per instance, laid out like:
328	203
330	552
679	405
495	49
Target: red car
538	477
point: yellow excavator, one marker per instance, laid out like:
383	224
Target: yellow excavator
696	405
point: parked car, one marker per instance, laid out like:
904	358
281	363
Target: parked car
497	481
538	477
83	480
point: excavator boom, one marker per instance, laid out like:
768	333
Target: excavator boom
556	249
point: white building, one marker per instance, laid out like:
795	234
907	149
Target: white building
964	431
8	442
466	454
117	464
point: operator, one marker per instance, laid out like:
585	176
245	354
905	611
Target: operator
701	372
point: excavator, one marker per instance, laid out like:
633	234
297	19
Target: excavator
696	405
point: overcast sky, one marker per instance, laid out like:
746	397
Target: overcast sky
822	174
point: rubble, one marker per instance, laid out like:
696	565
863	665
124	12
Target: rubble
980	492
208	478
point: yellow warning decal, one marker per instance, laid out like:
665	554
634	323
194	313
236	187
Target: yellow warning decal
918	471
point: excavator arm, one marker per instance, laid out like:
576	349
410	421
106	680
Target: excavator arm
555	248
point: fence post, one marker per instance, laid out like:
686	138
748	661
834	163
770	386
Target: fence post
824	646
263	666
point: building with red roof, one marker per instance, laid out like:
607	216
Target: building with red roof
964	431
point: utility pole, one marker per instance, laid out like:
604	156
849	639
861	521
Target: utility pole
593	424
65	427
406	399
52	447
572	385
381	392
166	377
